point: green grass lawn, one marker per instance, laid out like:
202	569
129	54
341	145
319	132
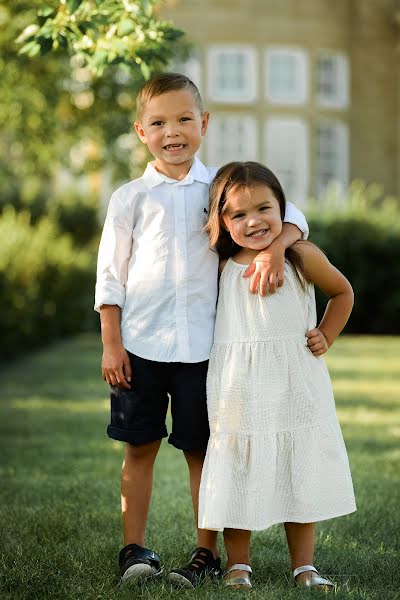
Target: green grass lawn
60	526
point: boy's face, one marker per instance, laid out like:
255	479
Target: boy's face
172	126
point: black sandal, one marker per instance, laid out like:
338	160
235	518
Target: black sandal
136	563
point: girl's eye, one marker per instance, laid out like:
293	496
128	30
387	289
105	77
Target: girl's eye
238	215
263	208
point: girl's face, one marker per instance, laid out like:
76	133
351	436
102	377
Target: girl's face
253	217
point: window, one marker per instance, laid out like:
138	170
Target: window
286	76
231	74
332	156
286	154
231	137
190	68
333	80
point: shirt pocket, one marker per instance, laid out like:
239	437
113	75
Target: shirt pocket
196	216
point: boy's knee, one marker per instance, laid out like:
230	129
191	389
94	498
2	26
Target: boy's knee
142	452
194	457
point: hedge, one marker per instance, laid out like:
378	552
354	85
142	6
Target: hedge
46	284
366	248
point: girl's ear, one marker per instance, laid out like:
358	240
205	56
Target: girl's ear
223	224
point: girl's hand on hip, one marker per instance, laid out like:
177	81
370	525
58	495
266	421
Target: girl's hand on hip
317	342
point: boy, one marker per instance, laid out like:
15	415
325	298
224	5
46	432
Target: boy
156	293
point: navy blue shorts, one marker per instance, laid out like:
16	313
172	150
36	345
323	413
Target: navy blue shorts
138	415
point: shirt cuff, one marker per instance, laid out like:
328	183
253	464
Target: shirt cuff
113	295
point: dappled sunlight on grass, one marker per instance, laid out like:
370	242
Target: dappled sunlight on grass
94	405
363	416
370	387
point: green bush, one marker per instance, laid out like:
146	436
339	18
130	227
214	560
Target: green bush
46	284
362	239
72	211
75	214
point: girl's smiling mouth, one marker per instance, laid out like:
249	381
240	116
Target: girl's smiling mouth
258	233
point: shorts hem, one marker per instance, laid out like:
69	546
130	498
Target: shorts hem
188	446
134	437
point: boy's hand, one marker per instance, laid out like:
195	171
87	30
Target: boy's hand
267	270
116	366
317	342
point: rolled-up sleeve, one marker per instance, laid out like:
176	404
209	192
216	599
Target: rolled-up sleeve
114	253
295	216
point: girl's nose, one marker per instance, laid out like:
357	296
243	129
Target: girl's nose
253	220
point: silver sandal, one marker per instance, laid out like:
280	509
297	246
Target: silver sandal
314	581
240	582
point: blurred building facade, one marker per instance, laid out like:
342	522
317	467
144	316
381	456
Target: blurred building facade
312	88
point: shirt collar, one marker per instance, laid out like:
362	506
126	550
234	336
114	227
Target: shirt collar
198	172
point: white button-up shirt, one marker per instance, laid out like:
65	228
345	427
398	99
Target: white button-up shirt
154	262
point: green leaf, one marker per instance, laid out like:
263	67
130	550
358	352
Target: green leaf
99	58
147	7
125	27
46	11
28	32
31	49
73	5
145	69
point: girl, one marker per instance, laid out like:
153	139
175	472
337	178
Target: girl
276	452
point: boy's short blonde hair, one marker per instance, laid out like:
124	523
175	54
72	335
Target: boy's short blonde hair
163	83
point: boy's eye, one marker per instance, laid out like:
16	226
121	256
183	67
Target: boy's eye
157	123
262	208
186	119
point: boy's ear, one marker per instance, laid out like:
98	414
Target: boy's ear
140	131
204	122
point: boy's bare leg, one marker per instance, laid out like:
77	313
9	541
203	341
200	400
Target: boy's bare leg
136	487
205	538
301	538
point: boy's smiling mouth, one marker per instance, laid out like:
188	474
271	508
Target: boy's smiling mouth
174	147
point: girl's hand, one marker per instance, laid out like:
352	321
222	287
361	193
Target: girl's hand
267	270
317	342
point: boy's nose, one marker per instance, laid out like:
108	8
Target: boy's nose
172	131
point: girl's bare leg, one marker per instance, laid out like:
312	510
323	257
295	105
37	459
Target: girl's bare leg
301	538
237	544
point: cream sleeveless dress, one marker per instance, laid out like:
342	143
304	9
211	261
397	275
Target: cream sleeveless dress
276	451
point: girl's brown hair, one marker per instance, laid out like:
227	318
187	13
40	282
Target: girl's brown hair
230	178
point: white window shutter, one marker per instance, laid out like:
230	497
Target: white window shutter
287	155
